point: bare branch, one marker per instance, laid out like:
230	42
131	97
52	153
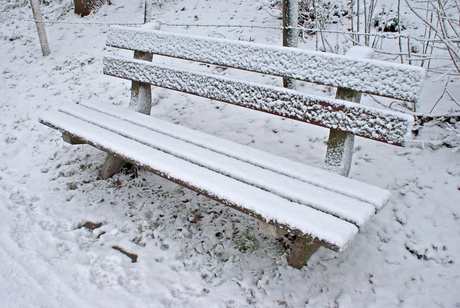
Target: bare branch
453	52
453	98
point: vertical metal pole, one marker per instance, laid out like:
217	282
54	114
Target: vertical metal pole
40	27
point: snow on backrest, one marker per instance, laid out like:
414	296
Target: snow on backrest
373	123
369	76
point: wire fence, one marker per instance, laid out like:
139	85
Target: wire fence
86	23
406	55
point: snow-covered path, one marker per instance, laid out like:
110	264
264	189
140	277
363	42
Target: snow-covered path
191	251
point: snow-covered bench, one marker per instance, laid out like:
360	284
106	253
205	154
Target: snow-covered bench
322	207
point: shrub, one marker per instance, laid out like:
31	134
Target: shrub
388	22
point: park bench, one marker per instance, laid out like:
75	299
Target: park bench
318	206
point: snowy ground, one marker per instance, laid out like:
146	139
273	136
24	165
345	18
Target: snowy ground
191	251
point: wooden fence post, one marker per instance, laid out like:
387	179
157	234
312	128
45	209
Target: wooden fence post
290	36
148	11
40	27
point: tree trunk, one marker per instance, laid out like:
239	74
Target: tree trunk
85	7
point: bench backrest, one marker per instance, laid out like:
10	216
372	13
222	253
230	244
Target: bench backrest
367	76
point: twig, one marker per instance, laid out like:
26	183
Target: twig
329	45
452	128
399	30
443	75
445	17
375	100
366	38
277	17
443	92
352	4
409	51
357	19
425	51
321	33
451	49
453	98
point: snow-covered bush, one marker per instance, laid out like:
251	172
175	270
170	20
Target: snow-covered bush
314	14
388	22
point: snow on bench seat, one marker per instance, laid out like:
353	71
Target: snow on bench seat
364	121
318	213
374	195
363	75
345	207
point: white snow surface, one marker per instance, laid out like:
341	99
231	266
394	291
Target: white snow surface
188	246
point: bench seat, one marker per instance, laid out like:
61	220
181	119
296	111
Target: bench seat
322	206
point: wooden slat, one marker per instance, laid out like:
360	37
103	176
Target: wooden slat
336	204
361	191
325	229
368	76
377	124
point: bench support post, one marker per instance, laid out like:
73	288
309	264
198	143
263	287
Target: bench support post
70	140
303	249
271	229
111	166
141	101
141	94
340	145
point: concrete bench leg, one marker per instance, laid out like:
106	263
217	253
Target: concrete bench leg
340	145
71	140
271	229
111	166
301	252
